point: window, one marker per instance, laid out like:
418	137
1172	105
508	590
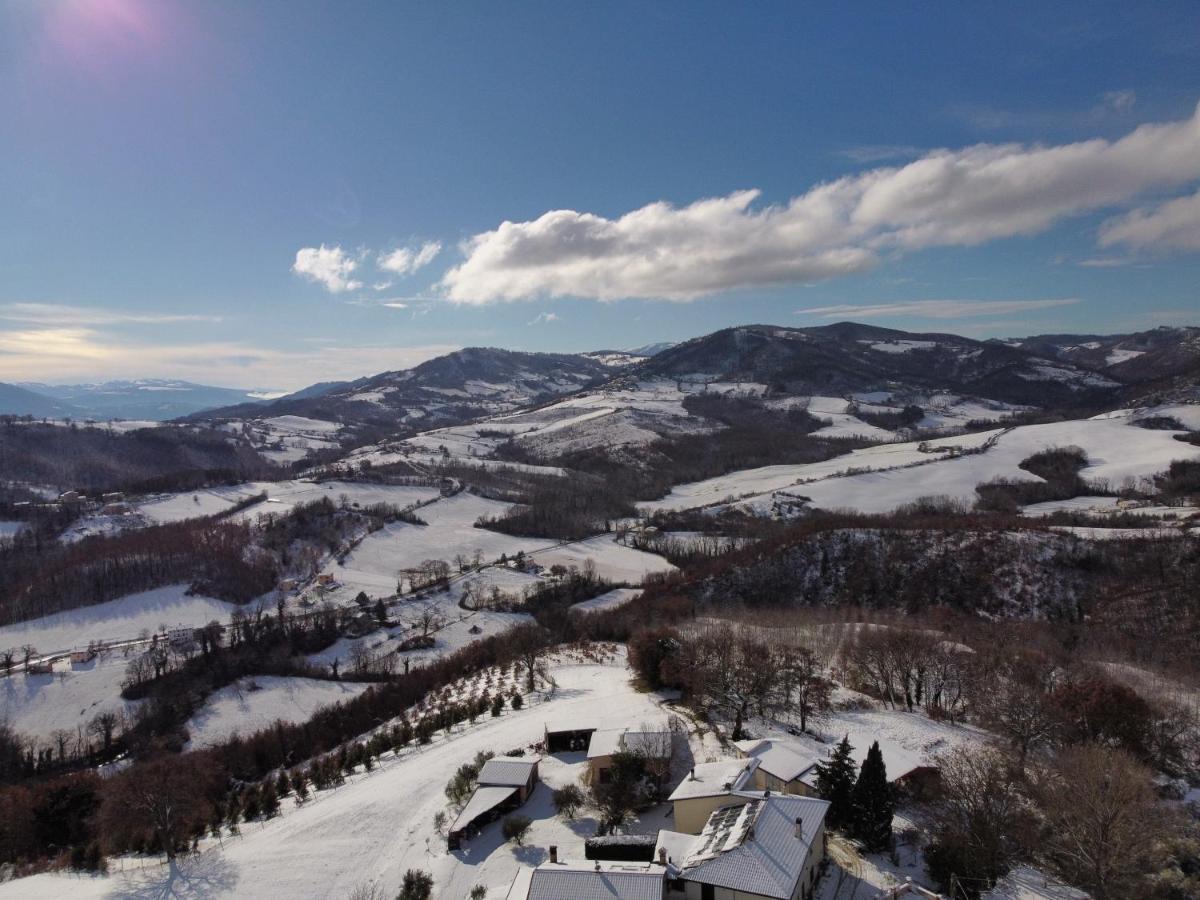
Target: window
708	892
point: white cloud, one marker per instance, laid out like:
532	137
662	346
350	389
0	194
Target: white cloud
871	153
935	309
65	315
1174	225
946	198
544	318
1118	101
330	267
406	260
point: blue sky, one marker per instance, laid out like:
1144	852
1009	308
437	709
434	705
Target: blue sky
218	190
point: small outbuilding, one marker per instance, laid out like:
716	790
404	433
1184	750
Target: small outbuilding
505	783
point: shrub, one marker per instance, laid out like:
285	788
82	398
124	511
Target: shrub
516	828
417	885
568	799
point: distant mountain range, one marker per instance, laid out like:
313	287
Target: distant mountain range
468	383
151	399
1042	370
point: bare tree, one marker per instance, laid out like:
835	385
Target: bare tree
528	642
979	820
429	620
104	726
1102	820
61	738
1013	699
168	795
802	684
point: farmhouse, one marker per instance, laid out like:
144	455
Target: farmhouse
754	847
505	782
780	766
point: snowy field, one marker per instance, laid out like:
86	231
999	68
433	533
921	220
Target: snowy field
116	620
376	562
611	600
37	706
254	703
614	561
281	496
763	480
1118	450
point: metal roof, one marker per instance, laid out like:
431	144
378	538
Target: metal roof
754	847
567	881
482	801
507	770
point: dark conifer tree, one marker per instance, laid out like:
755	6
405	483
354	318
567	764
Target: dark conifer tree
835	783
874	803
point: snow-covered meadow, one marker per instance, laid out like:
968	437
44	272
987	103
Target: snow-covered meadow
117	620
254	703
883	477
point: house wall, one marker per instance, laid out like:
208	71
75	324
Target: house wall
596	765
765	782
691	814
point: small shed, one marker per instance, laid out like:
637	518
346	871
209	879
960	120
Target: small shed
505	782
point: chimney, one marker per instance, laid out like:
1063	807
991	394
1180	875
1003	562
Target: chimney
692	774
597	865
799	829
553	853
662	856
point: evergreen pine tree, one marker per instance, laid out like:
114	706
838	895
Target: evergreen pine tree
835	783
873	802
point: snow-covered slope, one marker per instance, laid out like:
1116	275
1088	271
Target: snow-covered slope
254	703
878	479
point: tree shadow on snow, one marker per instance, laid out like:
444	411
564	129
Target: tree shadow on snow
186	878
530	856
584	826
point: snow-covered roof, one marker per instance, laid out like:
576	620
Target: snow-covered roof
607	741
575	722
506	770
596	881
712	779
484	799
677	844
754	847
778	759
